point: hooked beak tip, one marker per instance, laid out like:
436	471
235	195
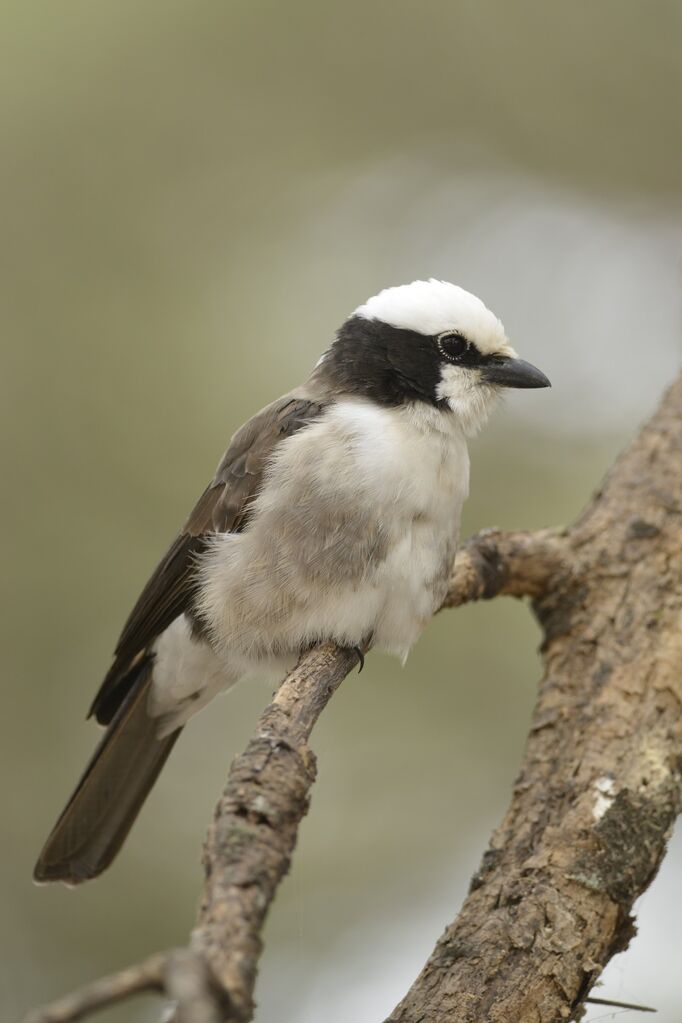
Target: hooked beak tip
515	373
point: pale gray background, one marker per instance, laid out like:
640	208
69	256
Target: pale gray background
194	195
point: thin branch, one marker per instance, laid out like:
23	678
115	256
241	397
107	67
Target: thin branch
521	564
145	976
620	1005
250	842
181	974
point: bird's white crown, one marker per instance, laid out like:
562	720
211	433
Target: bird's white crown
431	307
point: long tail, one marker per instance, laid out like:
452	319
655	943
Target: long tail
109	796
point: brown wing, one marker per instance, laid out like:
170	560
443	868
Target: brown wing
223	507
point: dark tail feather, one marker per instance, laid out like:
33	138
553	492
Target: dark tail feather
109	796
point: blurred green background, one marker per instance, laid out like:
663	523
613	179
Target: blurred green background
194	195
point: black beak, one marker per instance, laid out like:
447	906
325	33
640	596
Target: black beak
513	373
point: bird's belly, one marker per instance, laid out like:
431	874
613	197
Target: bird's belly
391	604
414	581
396	597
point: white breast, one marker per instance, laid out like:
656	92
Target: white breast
353	534
429	468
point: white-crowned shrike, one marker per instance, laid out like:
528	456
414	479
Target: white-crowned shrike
333	515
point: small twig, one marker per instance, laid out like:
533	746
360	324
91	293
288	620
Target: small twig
181	974
146	976
621	1005
521	564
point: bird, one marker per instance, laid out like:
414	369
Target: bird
334	515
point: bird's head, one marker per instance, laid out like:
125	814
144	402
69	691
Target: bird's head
428	341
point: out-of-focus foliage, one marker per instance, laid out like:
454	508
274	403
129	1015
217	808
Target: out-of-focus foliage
193	197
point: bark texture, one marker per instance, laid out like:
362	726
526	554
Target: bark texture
592	808
599	787
250	842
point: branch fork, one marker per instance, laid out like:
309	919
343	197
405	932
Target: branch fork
591	812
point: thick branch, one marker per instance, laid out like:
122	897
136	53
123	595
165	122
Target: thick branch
599	787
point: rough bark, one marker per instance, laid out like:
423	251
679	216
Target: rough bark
599	787
592	808
250	842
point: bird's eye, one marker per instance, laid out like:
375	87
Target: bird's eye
453	346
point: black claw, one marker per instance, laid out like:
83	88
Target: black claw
361	657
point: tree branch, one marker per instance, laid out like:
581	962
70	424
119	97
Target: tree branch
591	811
599	786
145	976
493	564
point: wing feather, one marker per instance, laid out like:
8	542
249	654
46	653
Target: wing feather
223	507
